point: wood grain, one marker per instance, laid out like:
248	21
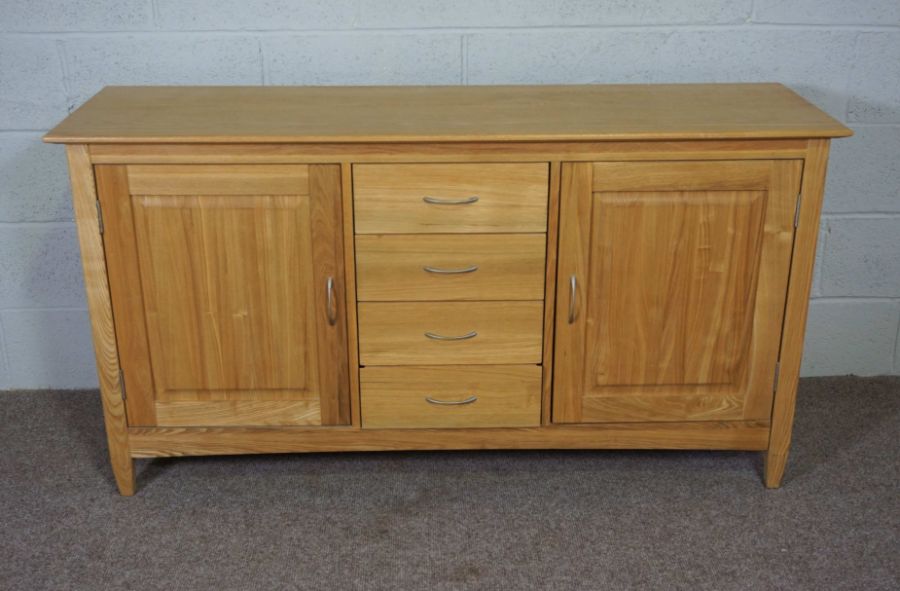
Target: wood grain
128	302
350	290
228	114
225	310
572	262
771	291
550	293
671	285
395	397
212	179
727	175
392	267
476	152
394	333
681	294
84	199
512	197
801	273
636	406
327	262
246	413
162	442
222	298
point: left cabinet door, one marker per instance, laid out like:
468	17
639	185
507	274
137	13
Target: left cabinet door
227	283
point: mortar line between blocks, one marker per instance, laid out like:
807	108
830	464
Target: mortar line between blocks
688	27
154	14
861	215
263	75
464	59
22	131
819	273
64	71
43	309
67	223
859	299
4	349
854	53
896	364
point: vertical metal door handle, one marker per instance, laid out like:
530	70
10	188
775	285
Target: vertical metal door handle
331	309
573	290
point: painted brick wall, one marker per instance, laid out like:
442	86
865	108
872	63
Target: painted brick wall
54	54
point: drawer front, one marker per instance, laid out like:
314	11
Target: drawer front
403	267
451	396
450	198
447	333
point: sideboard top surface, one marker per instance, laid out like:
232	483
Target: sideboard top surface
243	114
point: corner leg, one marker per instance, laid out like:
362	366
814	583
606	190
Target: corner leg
796	309
122	464
123	470
117	440
775	463
84	202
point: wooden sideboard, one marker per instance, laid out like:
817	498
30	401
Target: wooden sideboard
405	268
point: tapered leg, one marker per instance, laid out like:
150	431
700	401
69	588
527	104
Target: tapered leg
84	200
122	467
775	463
805	236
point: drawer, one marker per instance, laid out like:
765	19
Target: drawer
450	267
425	396
459	333
442	198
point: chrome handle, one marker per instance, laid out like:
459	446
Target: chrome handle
471	269
468	400
438	337
439	201
573	286
331	309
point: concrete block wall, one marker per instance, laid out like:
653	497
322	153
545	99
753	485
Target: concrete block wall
54	54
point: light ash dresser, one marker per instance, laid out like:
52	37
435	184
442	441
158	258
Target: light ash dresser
405	268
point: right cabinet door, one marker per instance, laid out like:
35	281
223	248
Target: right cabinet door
671	286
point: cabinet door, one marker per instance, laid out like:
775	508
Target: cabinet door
672	280
227	290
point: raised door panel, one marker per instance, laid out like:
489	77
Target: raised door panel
672	285
225	285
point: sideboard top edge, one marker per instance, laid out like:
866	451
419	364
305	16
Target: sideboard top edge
447	114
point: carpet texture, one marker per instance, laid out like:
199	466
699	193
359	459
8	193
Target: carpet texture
456	520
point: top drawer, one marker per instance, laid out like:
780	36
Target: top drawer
450	198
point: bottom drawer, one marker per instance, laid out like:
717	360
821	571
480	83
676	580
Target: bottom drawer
478	396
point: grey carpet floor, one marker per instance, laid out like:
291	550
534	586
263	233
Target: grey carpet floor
456	520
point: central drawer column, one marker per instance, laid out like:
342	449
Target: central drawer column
450	262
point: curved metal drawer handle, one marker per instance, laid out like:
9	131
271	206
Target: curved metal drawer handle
438	271
438	337
468	400
439	201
